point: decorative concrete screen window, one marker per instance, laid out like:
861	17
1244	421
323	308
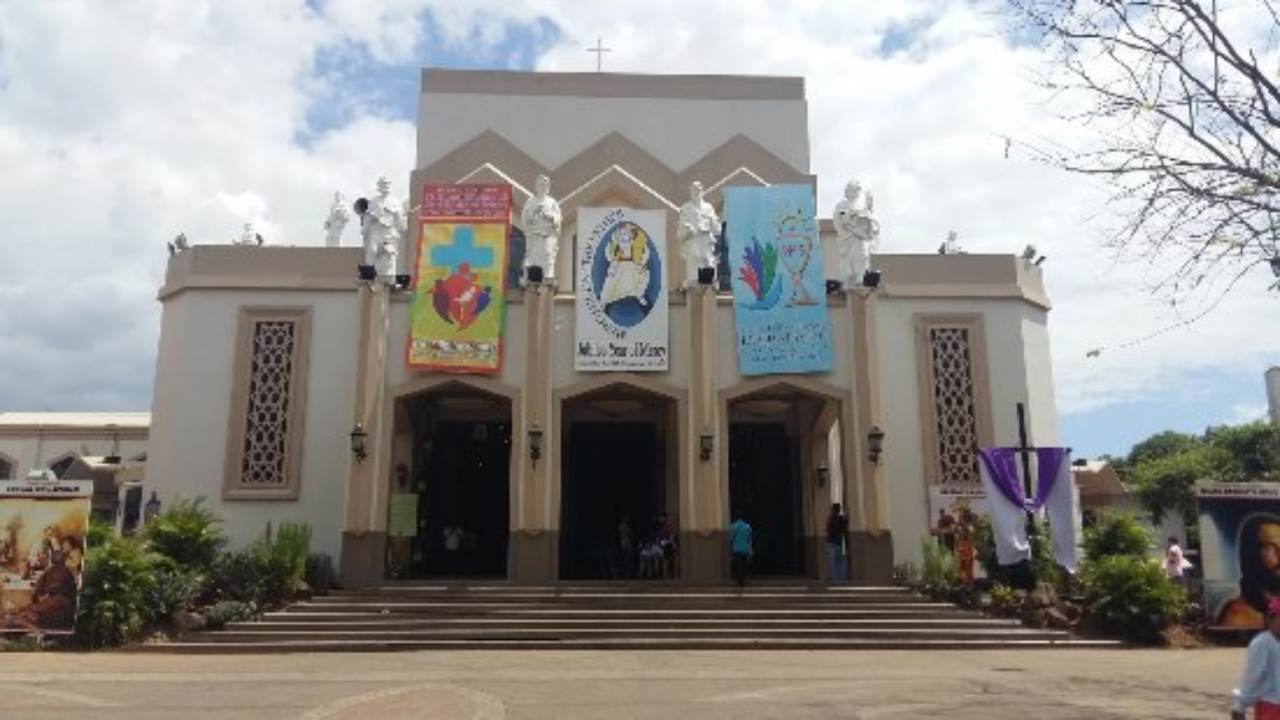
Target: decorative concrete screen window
956	414
264	444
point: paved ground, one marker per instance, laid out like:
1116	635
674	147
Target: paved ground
482	685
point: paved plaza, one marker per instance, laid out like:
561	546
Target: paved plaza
484	685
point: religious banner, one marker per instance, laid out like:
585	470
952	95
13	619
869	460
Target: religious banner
1239	550
459	280
621	321
43	524
779	294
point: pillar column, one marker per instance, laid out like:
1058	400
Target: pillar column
703	540
870	543
533	549
364	532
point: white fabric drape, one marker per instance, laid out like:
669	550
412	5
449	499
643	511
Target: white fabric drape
1008	522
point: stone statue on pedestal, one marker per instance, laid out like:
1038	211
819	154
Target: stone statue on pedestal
383	222
540	219
248	236
858	233
696	231
950	246
337	221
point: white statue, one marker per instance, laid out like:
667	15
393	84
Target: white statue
858	233
179	243
950	246
697	234
337	221
248	236
382	221
541	220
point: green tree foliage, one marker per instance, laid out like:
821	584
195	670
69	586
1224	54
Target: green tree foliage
1164	468
188	534
1162	445
1131	596
117	592
1117	534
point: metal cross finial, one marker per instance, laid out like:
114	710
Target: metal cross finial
599	50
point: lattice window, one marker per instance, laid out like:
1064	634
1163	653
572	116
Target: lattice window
265	441
955	413
6	468
266	430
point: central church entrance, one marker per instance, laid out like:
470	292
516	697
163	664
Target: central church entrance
784	472
453	452
618	478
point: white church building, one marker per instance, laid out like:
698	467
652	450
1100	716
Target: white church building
282	391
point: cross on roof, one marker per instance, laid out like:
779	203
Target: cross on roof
463	250
599	50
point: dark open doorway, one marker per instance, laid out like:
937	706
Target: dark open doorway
459	475
616	465
765	489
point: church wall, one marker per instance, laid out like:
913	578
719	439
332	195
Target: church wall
904	455
1043	423
551	129
193	399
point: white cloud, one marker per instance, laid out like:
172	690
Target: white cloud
122	124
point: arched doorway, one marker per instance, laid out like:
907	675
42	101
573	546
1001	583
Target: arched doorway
450	484
784	470
618	461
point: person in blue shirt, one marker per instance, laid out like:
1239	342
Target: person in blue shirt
1260	686
739	549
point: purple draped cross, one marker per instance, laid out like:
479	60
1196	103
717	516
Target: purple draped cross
1002	466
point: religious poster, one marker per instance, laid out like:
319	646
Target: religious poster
42	544
459	279
621	321
1240	551
779	291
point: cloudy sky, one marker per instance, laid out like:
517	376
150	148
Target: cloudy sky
126	122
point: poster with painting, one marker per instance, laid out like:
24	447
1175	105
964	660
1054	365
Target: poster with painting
622	316
1240	550
459	279
779	294
43	524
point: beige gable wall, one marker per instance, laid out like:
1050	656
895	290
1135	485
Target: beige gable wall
551	117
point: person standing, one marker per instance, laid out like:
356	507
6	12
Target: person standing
626	549
740	549
1175	563
1260	683
837	528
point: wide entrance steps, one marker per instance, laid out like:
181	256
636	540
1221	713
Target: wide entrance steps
458	615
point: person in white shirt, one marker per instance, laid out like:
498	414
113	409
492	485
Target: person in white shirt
1175	563
1260	684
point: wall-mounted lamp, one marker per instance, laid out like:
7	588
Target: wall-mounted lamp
358	437
875	443
706	443
535	443
824	474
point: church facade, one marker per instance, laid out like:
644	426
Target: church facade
283	390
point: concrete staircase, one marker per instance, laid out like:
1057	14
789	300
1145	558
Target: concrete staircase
619	616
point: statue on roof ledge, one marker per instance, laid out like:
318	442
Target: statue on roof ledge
857	232
336	222
951	246
383	222
696	231
540	220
